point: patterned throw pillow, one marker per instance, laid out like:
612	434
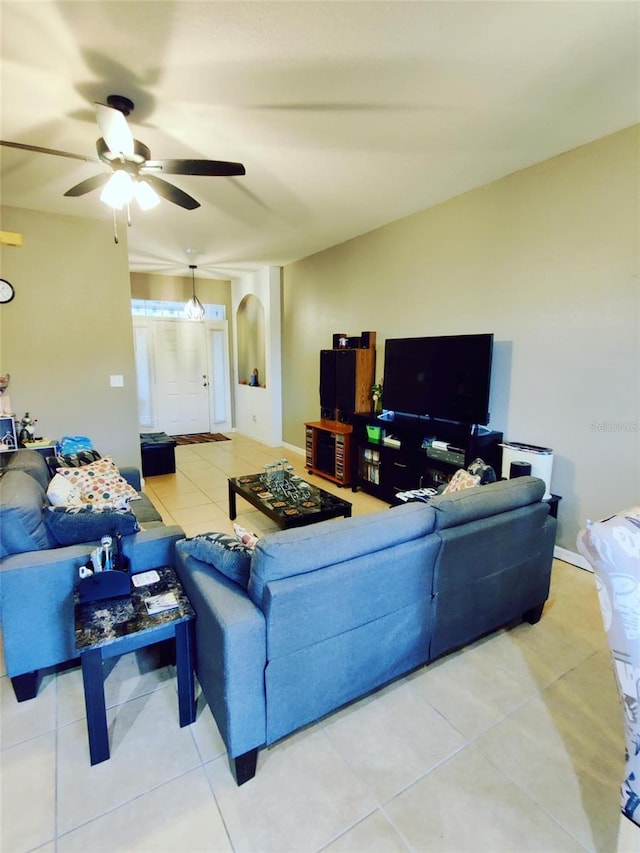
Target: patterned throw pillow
461	480
480	468
72	460
245	536
100	483
230	557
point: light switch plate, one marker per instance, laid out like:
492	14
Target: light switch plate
117	380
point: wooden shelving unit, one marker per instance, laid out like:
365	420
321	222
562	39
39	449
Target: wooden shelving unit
328	450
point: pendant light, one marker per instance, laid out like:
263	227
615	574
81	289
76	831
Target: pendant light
194	309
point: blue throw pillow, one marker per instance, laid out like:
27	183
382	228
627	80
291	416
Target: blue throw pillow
76	525
230	557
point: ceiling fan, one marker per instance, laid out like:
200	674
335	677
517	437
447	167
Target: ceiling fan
133	173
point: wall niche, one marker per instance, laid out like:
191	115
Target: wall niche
250	325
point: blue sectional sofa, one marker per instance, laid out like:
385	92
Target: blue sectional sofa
38	576
334	610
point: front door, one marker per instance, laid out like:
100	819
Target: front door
182	377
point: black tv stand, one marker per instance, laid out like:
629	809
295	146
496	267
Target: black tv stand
425	452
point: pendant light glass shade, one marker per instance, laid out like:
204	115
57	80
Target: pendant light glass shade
194	309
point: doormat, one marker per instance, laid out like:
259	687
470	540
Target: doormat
199	438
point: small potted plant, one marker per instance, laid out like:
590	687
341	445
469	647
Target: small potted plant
376	395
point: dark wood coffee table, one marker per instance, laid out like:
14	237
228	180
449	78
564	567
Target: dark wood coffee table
290	503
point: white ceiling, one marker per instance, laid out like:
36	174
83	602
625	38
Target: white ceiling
346	115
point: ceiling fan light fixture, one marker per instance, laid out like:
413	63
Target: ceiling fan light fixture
194	309
145	195
118	190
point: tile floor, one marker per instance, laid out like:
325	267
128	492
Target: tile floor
512	744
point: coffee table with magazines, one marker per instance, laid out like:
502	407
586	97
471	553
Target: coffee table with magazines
285	498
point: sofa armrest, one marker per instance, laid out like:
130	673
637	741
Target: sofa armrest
132	476
153	547
36	596
230	653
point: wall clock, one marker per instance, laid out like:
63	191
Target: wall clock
6	291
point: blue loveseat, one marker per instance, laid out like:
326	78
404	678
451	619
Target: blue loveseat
38	575
337	609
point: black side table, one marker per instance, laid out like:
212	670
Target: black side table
553	502
113	627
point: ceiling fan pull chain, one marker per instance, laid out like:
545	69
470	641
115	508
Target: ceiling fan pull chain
128	215
115	227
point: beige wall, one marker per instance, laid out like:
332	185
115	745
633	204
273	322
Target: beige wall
69	329
546	259
179	288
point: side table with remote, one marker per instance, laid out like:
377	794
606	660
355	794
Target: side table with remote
113	627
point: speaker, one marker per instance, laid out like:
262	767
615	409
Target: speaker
328	383
345	384
519	469
346	377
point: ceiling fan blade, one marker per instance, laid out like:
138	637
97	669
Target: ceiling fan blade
172	193
23	147
88	185
207	168
115	130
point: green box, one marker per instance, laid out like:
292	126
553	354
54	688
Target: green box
374	433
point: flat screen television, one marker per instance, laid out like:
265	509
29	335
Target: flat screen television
446	377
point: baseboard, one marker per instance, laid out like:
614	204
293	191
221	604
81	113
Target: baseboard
293	448
572	557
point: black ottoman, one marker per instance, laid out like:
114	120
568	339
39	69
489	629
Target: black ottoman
158	454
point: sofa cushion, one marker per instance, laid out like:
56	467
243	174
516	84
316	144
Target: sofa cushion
145	511
100	482
75	525
475	504
22	527
306	549
229	556
32	463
